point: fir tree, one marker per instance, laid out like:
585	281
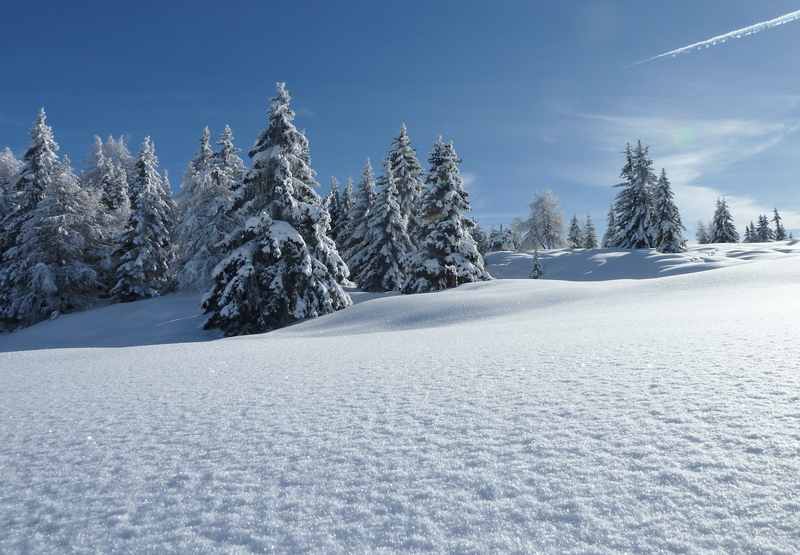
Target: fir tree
750	233
277	270
340	228
333	203
668	226
145	256
764	233
634	210
447	255
359	218
387	244
609	236
575	234
537	270
407	171
780	231
9	168
723	229
589	234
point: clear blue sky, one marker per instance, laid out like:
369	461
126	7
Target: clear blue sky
535	94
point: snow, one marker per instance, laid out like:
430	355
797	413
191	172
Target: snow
614	415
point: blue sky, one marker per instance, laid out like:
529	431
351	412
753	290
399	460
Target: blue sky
535	95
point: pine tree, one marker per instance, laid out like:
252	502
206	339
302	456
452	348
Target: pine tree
145	256
333	203
609	236
447	255
387	244
279	266
204	220
723	229
668	225
780	231
537	271
634	210
749	233
575	234
764	232
346	204
589	234
407	171
9	168
359	218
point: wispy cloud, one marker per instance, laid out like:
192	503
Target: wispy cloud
722	39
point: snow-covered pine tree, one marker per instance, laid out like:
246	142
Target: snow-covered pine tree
333	203
575	234
780	230
359	217
145	256
668	225
339	230
273	275
203	221
723	229
407	171
537	270
9	168
227	163
749	233
701	233
50	269
634	203
387	244
447	256
609	236
589	234
764	232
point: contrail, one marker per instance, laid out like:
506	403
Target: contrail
721	39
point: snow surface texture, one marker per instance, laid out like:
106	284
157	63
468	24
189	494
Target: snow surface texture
512	416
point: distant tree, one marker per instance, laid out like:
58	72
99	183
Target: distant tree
481	238
723	229
447	256
609	236
544	227
341	226
763	232
359	218
407	171
501	239
145	257
589	234
750	235
537	271
634	206
333	204
668	225
575	234
780	230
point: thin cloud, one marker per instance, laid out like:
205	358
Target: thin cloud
722	39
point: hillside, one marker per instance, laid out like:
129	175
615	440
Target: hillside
599	414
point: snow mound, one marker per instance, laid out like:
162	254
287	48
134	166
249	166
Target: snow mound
610	264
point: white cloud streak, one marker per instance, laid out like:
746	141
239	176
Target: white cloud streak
722	39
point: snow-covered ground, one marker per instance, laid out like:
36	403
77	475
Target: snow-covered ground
516	415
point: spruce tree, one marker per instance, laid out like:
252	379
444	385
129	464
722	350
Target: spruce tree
609	236
145	256
575	234
780	231
634	210
340	228
333	204
668	226
274	274
764	232
723	229
407	171
589	234
387	244
9	168
447	256
359	218
749	233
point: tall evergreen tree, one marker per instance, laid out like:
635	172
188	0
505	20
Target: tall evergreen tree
780	230
145	256
9	168
750	233
634	207
575	234
408	174
278	269
723	229
589	234
333	202
340	228
764	232
668	225
447	255
359	218
387	244
609	236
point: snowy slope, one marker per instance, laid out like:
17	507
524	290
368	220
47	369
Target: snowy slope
516	415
